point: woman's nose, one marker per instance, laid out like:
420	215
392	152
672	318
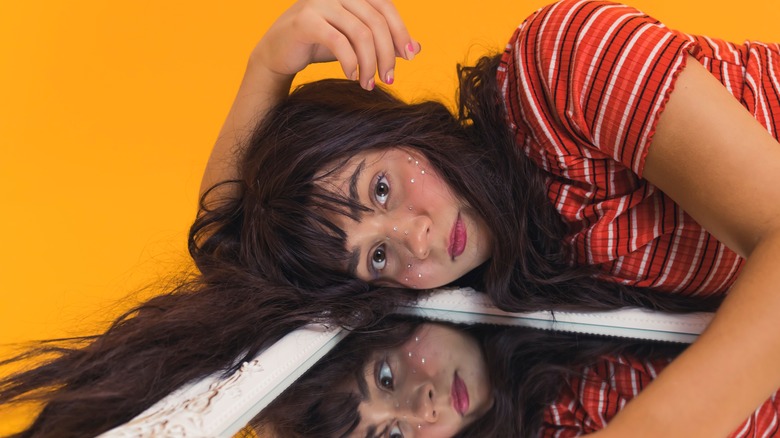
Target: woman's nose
416	235
423	406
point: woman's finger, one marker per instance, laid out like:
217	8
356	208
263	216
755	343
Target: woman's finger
384	47
361	38
405	46
333	43
363	35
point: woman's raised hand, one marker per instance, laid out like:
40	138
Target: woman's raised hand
364	36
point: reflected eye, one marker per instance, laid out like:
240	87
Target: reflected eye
385	376
395	432
379	258
381	189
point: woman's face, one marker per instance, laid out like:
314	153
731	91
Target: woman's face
433	385
418	233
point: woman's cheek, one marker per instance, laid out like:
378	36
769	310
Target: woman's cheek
420	359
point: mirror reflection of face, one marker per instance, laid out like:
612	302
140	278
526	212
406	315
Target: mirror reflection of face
418	234
433	385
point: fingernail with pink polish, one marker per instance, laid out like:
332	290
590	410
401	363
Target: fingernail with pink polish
389	77
370	85
410	51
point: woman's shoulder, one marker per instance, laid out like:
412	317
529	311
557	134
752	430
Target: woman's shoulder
584	22
572	75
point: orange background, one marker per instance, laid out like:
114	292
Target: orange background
108	111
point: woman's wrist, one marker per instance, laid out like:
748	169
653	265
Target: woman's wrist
258	77
260	67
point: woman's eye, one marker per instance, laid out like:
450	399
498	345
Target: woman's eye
379	258
381	189
395	432
385	377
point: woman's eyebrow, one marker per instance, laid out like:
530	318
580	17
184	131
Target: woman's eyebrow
363	386
354	201
354	197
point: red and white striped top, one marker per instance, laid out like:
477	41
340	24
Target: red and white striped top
584	83
589	401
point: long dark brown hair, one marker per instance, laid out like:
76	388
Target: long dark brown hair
527	369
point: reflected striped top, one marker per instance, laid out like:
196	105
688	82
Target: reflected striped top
589	401
584	84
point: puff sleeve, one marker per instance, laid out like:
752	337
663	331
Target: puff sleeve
590	79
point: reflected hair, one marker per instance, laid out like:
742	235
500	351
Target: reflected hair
528	367
321	403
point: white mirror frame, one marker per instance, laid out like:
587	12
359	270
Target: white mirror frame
218	406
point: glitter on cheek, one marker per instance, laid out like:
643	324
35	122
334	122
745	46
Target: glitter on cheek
412	180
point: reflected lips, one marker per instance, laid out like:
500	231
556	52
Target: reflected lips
457	238
460	395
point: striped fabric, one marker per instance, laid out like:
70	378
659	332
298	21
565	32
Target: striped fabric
584	83
589	401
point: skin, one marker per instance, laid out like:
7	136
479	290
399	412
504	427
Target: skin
407	238
409	387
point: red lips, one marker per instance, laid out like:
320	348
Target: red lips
457	238
460	395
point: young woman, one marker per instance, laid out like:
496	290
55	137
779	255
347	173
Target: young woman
603	160
410	378
543	192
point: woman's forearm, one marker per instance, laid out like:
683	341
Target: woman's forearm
728	372
260	90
